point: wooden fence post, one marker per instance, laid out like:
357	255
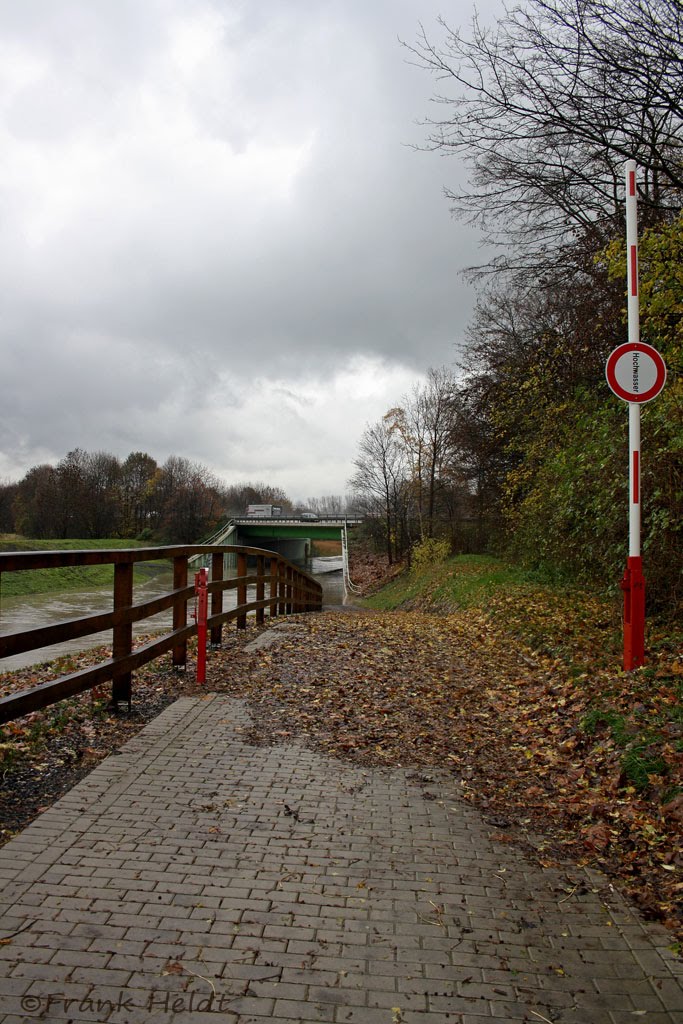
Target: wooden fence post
216	598
241	589
281	588
180	610
260	589
122	640
273	587
290	578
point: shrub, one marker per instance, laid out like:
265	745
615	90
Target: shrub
429	552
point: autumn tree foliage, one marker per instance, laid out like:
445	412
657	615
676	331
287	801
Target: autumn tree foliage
531	452
544	109
565	497
95	494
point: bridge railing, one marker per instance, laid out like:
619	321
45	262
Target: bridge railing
296	519
281	588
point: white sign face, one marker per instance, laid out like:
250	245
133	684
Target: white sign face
635	372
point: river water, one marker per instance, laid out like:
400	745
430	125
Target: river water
32	610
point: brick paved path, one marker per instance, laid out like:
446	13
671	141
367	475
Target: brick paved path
195	878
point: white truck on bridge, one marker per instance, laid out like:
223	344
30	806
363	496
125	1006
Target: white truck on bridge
263	511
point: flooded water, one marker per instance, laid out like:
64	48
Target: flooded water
328	572
20	613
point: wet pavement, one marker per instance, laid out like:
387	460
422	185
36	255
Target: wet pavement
195	877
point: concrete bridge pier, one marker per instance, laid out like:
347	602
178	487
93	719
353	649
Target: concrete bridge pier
292	548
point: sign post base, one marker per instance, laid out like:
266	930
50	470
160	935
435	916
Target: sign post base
633	585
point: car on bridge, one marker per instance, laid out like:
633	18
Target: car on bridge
309	516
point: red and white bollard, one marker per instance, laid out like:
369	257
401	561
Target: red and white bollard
633	585
633	582
201	614
636	373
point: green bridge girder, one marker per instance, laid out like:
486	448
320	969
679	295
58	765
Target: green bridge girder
290	531
289	535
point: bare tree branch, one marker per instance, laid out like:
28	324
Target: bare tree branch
546	108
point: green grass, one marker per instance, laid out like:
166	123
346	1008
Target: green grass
465	581
641	758
616	723
42	581
547	614
641	762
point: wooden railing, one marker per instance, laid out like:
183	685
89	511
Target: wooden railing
289	590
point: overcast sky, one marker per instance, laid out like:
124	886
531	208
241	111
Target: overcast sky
215	238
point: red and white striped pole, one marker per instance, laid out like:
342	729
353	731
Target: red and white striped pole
636	373
633	583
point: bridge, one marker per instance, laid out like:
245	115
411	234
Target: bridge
289	535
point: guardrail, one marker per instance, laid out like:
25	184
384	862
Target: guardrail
349	586
289	591
289	519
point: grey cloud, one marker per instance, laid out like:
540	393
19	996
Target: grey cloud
200	193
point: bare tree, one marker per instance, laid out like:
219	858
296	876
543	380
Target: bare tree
101	496
424	422
407	420
72	503
380	479
189	500
8	495
546	107
37	505
328	504
238	496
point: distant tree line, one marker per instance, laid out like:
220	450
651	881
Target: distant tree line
523	438
95	495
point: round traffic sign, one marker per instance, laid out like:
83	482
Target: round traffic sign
635	372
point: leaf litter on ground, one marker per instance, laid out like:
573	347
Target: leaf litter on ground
454	691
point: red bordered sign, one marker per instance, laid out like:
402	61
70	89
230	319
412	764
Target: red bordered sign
635	372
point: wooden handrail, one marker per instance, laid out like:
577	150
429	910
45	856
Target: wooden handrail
289	589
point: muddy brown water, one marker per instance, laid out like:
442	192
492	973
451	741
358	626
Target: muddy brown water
34	610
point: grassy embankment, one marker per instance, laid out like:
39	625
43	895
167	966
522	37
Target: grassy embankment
40	581
556	618
637	715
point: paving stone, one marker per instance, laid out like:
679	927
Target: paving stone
177	872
